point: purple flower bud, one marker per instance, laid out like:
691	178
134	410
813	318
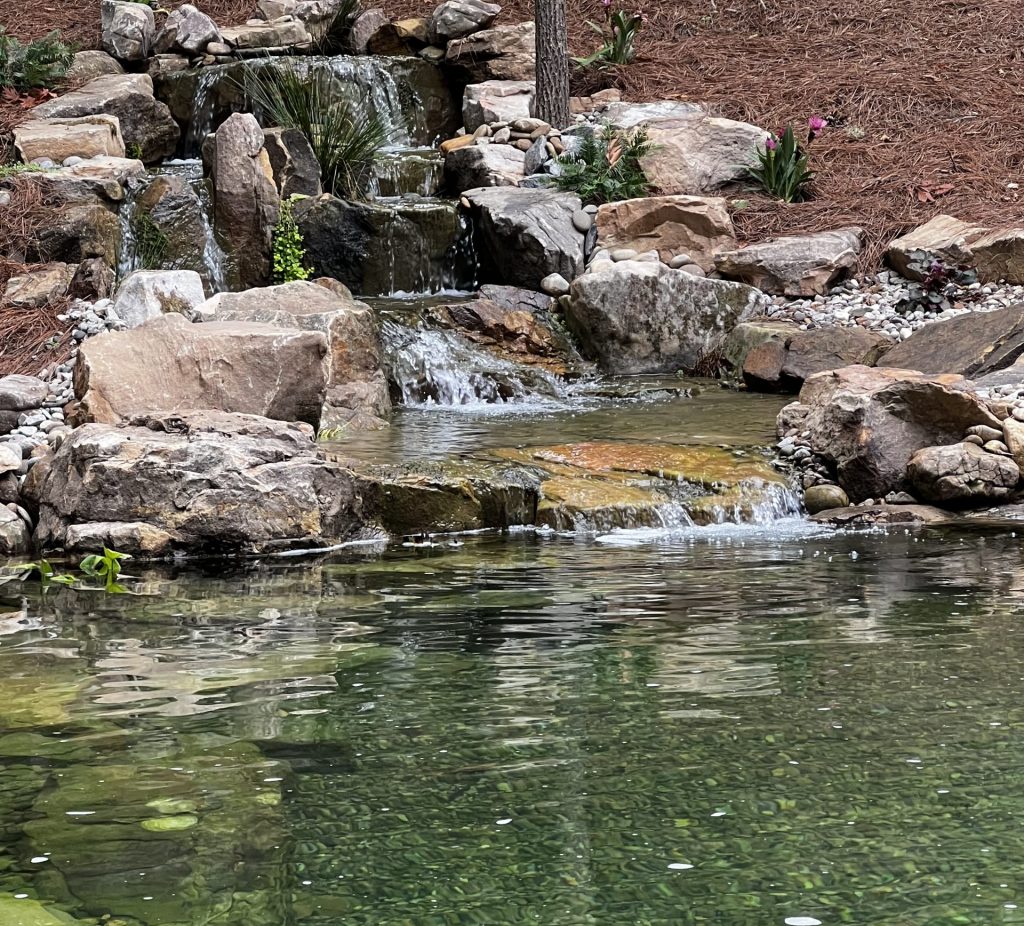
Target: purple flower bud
817	124
771	144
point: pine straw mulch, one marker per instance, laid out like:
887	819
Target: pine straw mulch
925	98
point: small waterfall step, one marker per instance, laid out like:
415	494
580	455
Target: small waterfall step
408	172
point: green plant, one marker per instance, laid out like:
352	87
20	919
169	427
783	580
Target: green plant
150	240
941	283
619	31
135	151
783	168
13	170
331	35
40	64
289	257
605	166
343	139
326	435
105	566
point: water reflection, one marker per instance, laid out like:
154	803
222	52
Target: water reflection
723	727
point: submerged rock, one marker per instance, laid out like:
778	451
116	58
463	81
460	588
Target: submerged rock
642	317
871	515
196	482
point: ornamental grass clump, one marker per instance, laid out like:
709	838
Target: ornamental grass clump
619	31
604	166
783	168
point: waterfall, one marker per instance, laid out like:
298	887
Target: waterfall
428	366
203	111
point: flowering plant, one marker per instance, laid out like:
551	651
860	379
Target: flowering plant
782	167
619	31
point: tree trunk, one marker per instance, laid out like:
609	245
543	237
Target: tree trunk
552	103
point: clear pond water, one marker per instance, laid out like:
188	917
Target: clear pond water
729	725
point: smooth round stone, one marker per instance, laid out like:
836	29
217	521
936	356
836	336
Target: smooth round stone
72	161
218	48
597	266
1018	413
694	270
825	497
623	254
582	221
590	210
680	261
974	439
649	257
554	284
997	446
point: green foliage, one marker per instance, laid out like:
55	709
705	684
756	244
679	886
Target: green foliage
331	37
135	151
619	32
326	435
941	284
289	251
40	64
344	140
605	167
783	168
151	241
13	170
105	566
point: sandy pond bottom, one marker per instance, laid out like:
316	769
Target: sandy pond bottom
725	725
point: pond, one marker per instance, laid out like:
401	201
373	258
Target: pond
732	725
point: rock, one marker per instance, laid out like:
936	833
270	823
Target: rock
501	53
294	165
962	475
127	29
455	19
943	237
744	337
695	153
868	423
60	139
357	389
453	144
14	541
810	352
39	286
801	265
974	345
280	34
275	9
642	317
146	123
246	204
147	294
536	157
1013	434
986	433
89	65
76	234
675	226
515	299
93	280
534	225
404	37
496	101
555	285
872	515
999	255
21	393
824	498
97	181
170	364
194	30
199	482
365	25
582	221
475	166
10	460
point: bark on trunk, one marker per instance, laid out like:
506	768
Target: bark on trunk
552	104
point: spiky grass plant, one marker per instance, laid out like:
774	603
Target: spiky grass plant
605	166
344	140
331	35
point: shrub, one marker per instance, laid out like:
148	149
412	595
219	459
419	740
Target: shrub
783	169
619	31
605	167
344	141
289	256
941	284
39	65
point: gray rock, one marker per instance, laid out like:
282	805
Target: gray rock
496	101
985	433
484	166
194	30
961	475
620	254
501	53
642	317
363	28
525	235
148	294
536	157
280	34
20	393
14	534
295	167
824	498
455	19
89	65
127	29
555	285
582	221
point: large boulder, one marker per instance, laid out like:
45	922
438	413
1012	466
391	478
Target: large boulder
694	152
671	225
148	294
294	165
88	65
943	238
999	255
801	265
39	286
197	482
193	29
246	202
868	422
60	139
279	34
497	101
501	53
146	124
101	180
127	29
525	235
484	166
974	345
171	364
357	389
455	19
961	475
76	234
642	317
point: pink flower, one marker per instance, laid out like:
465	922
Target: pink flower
770	143
817	123
606	3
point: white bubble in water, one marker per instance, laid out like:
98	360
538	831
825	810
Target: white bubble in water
680	866
503	822
39	859
801	921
